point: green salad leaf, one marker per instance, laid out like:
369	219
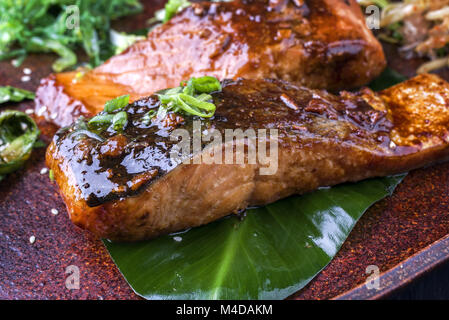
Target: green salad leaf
11	94
61	27
18	135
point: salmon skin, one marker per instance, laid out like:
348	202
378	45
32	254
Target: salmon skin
319	44
126	186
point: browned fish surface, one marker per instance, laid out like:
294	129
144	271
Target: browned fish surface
127	187
319	44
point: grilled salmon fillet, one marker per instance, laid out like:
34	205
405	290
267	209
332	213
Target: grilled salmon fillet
128	186
319	44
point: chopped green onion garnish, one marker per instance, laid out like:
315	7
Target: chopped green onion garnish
204	97
101	120
196	103
192	97
185	103
116	104
51	175
119	121
109	116
206	84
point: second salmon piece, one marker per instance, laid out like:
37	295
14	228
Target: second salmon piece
317	43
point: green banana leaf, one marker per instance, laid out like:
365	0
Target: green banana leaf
271	253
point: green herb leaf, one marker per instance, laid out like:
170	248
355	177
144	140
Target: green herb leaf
116	104
18	134
274	252
9	93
